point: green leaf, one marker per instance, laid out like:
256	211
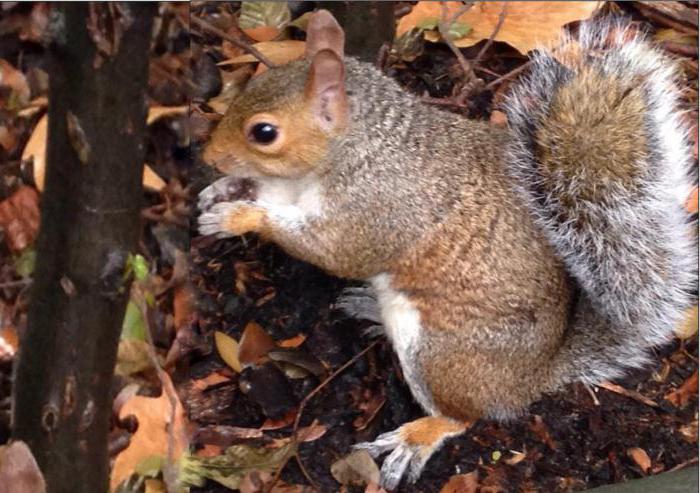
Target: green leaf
139	266
229	468
428	23
257	14
151	466
458	30
25	261
133	326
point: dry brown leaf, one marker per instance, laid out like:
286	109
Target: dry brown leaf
19	472
278	52
254	345
640	457
8	139
498	119
681	396
462	483
526	25
9	342
19	217
356	469
152	436
227	347
312	432
17	83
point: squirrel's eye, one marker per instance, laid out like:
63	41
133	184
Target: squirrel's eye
263	133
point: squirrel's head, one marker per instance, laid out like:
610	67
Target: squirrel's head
282	122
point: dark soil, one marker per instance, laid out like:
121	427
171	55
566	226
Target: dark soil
570	442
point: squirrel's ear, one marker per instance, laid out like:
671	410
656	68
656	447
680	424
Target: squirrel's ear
324	33
325	90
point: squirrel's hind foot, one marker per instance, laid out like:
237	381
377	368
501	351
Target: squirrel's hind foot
411	447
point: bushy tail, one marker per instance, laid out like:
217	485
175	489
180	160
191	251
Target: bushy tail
602	156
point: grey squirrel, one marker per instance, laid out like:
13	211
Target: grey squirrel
502	263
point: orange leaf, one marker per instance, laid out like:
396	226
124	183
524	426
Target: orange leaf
262	33
292	342
155	427
279	52
681	396
526	24
640	457
16	81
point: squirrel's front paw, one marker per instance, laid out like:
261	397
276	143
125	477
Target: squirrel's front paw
231	219
227	189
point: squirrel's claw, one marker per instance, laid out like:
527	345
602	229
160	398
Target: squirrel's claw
361	303
231	219
411	446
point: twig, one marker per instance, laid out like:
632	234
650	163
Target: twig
444	27
302	406
223	35
507	76
489	42
632	394
656	16
169	469
683	465
16	284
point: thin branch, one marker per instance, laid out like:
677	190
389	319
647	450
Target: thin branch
444	27
489	42
302	406
204	25
507	76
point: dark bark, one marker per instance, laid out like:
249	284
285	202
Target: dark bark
89	224
367	26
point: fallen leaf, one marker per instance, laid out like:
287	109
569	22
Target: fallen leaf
231	467
681	396
292	342
462	483
9	342
254	345
19	217
227	347
15	80
356	469
210	380
312	432
132	357
19	472
154	430
689	326
640	457
263	21
8	139
278	52
526	24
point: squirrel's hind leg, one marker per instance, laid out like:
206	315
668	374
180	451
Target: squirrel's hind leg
411	446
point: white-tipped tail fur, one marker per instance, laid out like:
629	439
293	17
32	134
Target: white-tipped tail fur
626	237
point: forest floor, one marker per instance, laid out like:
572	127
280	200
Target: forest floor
286	394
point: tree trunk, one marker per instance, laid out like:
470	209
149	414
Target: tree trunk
367	26
89	224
